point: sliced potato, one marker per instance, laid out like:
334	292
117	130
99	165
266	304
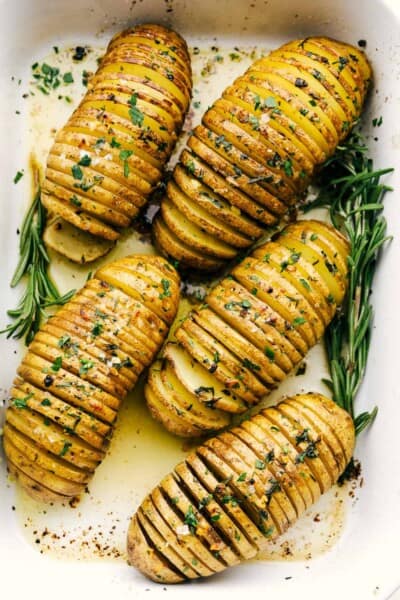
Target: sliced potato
259	146
76	244
255	326
79	367
237	491
110	154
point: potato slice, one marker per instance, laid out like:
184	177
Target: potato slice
219	361
342	429
224	494
260	201
45	459
306	445
285	164
150	511
195	378
205	528
241	489
25	462
282	297
324	239
54	439
327	456
73	243
327	434
307	281
327	269
219	122
164	550
221	521
169	398
146	555
279	119
255	104
166	506
232	469
251	281
193	235
171	246
238	306
277	504
77	217
280	466
207	223
216	205
91	430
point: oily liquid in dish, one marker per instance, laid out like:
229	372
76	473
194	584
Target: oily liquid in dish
141	451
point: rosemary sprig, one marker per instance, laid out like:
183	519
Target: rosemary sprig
40	291
353	192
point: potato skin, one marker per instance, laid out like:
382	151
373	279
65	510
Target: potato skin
79	367
254	327
231	496
110	154
257	149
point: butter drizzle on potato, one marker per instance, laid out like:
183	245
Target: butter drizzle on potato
110	154
240	490
254	327
79	367
257	149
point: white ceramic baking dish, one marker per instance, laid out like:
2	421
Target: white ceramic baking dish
363	561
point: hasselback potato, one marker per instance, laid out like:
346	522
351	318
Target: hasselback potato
78	368
253	328
238	491
110	154
258	147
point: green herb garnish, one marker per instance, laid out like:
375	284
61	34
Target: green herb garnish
135	114
353	192
40	291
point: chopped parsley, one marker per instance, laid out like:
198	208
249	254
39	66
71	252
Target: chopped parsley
298	321
124	155
250	365
85	161
65	448
18	176
97	329
269	353
273	488
77	172
57	363
135	114
190	519
85	365
166	289
68	78
21	402
75	200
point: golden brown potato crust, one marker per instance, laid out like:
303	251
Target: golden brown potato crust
238	491
110	154
257	149
253	329
78	368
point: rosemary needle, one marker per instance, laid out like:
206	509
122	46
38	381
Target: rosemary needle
40	291
353	192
